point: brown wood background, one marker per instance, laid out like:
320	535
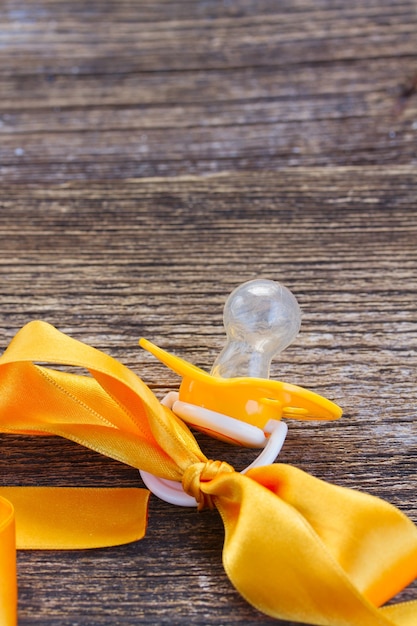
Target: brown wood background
153	155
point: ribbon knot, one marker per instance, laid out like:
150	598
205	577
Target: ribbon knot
199	473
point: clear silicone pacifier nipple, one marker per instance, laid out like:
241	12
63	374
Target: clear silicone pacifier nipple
261	318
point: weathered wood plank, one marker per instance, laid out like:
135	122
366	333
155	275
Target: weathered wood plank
122	90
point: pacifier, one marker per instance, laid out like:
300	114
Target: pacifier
237	402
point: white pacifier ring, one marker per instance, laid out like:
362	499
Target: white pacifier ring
171	491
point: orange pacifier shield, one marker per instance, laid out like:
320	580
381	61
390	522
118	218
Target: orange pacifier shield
261	318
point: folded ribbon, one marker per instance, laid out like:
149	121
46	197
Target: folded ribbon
295	547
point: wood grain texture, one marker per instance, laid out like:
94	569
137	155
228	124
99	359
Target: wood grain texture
153	155
125	89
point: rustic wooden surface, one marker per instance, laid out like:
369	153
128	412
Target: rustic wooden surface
153	156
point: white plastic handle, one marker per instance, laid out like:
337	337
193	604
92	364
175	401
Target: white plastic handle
231	428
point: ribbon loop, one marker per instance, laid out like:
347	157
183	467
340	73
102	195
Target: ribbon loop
199	473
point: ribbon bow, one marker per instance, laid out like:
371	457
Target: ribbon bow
296	548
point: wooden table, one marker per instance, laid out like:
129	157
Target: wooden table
155	155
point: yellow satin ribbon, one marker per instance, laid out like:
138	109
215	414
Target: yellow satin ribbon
295	547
